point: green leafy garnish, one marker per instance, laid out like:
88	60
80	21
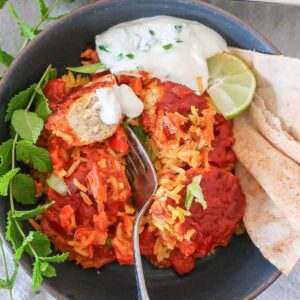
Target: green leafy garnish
108	243
13	231
25	215
5	180
120	56
5	156
5	58
38	157
26	31
2	3
167	46
104	48
24	189
139	132
19	101
42	108
27	124
179	41
152	32
130	55
178	28
194	191
88	69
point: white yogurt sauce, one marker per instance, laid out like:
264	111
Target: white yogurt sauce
170	48
116	100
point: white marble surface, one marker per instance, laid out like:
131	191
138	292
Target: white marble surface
280	24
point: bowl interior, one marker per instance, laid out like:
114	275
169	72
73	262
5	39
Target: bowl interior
235	272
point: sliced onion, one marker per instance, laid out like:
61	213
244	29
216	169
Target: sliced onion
58	185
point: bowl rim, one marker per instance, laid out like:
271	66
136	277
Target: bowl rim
45	286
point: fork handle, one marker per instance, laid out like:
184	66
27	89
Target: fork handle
140	279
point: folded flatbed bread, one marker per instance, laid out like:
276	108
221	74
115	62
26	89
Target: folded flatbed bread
275	172
266	225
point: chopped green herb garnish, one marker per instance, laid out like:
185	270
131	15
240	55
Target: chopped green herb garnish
147	47
178	28
103	47
151	32
130	55
167	46
120	56
179	41
194	191
108	243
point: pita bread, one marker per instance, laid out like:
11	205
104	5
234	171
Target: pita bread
270	127
267	226
278	80
275	172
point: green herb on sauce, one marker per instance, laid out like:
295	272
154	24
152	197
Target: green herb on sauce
104	48
152	32
120	56
179	41
194	191
130	55
178	28
167	46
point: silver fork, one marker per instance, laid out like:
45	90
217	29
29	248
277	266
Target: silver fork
144	183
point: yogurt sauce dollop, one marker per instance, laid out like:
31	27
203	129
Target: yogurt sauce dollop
170	48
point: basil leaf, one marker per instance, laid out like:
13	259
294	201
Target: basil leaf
27	124
24	189
5	156
12	232
26	31
25	215
5	180
42	108
88	69
38	157
5	58
19	101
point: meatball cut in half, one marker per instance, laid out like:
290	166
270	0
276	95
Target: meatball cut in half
77	120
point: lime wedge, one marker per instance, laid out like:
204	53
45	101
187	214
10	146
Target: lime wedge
231	84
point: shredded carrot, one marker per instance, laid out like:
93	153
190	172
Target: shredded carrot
79	185
200	84
39	189
86	198
205	158
73	167
89	56
34	224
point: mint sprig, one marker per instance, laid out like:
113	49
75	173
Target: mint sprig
27	125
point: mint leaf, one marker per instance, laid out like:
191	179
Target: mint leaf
88	69
13	277
47	269
38	157
24	189
12	233
27	124
5	58
26	31
2	3
19	101
21	249
51	74
5	156
5	180
25	215
40	244
43	8
37	277
59	258
42	108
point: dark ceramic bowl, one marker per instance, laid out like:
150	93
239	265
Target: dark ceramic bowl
236	272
